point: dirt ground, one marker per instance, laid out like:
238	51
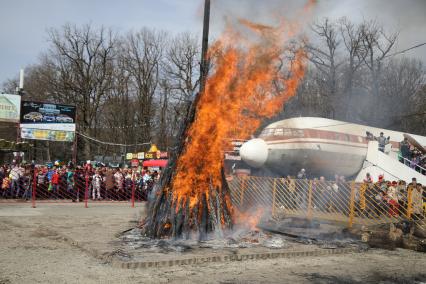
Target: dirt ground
33	250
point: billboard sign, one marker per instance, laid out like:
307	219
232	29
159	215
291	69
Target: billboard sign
47	116
10	107
47	121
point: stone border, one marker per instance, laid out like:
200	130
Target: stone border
108	257
228	258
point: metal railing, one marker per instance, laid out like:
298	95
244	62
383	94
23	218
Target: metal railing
36	186
410	164
347	203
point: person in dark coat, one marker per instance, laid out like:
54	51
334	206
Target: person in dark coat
404	148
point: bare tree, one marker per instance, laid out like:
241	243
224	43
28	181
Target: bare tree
326	60
118	123
154	77
164	132
377	45
181	69
82	63
352	37
142	54
401	86
372	86
9	86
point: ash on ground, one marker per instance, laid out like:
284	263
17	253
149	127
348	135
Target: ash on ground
322	234
269	234
235	240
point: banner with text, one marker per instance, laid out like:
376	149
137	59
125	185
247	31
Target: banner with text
50	135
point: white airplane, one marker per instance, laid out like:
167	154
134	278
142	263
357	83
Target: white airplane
328	147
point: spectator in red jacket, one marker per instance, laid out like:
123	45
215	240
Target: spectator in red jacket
55	183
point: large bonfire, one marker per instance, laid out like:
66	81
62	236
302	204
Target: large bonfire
246	85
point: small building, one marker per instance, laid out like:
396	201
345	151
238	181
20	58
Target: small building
8	111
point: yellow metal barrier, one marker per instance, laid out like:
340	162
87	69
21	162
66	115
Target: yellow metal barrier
348	203
274	194
352	206
409	202
310	200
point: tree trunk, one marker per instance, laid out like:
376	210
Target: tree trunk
48	150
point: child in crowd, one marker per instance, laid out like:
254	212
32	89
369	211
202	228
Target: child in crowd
96	185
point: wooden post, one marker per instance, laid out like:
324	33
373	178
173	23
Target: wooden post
310	201
274	193
352	205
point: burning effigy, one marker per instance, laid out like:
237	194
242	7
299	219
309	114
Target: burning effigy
255	69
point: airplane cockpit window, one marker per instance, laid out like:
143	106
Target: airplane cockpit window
282	132
267	132
278	132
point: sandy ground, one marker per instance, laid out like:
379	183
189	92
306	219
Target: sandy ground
32	252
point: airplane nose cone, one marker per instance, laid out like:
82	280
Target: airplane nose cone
254	152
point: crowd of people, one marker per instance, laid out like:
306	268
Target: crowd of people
412	157
371	198
393	198
105	183
15	181
76	183
409	154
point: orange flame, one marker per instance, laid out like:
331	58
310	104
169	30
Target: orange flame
244	88
249	219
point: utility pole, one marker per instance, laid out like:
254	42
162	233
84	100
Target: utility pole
203	228
204	47
20	92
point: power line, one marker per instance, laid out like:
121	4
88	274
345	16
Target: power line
405	50
118	127
414	114
110	143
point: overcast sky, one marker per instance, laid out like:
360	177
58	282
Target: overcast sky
23	23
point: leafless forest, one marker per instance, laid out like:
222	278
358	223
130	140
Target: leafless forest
136	87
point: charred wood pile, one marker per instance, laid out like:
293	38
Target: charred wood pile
245	86
208	211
